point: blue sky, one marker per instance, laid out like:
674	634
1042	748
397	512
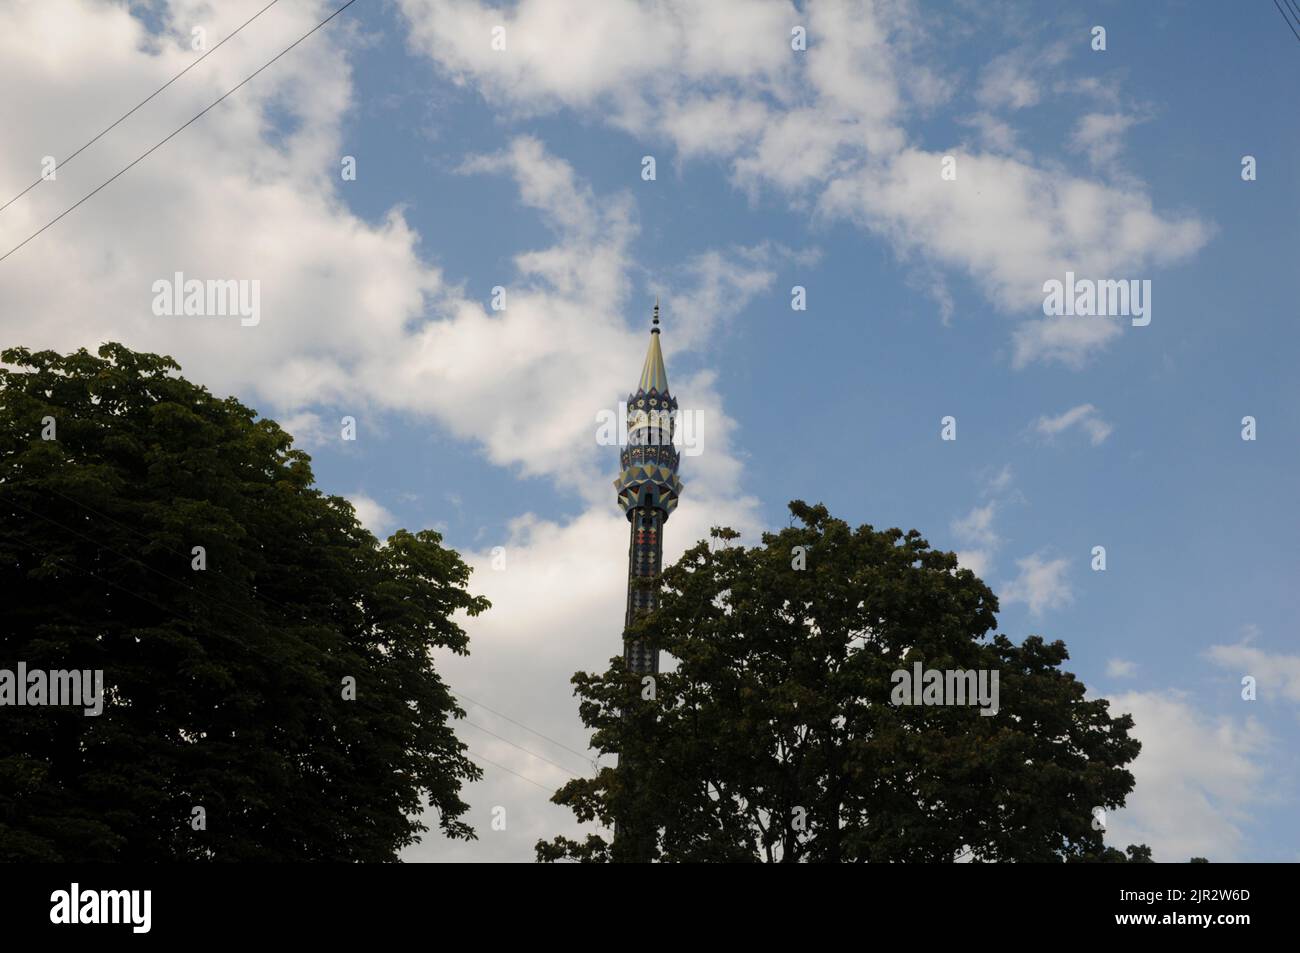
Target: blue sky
775	168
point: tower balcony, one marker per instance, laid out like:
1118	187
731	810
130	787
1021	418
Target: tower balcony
648	485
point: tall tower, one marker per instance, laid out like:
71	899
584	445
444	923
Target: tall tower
647	489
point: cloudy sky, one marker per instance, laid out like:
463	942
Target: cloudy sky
522	168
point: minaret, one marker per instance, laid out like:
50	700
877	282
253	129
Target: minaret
647	489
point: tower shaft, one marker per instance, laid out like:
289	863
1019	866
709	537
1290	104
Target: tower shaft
644	561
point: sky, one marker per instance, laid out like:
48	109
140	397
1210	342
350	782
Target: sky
823	168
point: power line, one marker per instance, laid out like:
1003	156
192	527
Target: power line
524	777
520	747
1286	18
585	757
177	132
132	110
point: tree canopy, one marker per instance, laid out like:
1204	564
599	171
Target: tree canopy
176	542
777	737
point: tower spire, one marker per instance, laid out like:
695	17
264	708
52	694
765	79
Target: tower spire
654	376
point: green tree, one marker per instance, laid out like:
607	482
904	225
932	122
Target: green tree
1135	854
775	738
225	685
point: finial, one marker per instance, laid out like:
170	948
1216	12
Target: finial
655	329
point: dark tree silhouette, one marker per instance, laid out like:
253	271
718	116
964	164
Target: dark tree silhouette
225	685
776	739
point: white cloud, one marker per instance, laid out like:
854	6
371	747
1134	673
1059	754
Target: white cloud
1041	584
228	198
1120	668
716	286
1012	226
373	515
616	56
1000	482
976	527
975	531
1014	80
1196	778
826	129
1276	675
1100	136
1102	90
353	317
308	429
1062	340
996	135
715	126
978	561
1084	416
